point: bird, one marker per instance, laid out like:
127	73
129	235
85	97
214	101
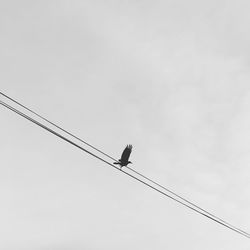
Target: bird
125	156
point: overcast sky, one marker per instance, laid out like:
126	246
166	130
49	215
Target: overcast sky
170	77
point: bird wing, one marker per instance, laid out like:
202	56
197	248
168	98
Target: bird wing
126	153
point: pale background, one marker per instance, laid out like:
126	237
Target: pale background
170	77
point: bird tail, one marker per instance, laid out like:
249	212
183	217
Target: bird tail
116	162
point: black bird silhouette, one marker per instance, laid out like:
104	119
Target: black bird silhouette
125	156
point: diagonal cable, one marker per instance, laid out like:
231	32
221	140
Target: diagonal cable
101	159
112	158
52	123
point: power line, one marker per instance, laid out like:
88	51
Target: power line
112	158
52	123
101	159
187	201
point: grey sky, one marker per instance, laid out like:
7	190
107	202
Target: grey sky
169	77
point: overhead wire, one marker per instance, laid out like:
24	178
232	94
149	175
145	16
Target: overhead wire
57	126
112	158
108	163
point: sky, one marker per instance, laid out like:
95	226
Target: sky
169	77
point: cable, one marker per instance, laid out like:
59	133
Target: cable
159	185
152	181
67	132
101	159
183	199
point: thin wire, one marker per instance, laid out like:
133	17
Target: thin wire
189	202
67	132
101	159
131	169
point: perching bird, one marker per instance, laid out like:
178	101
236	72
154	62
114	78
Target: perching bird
125	156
